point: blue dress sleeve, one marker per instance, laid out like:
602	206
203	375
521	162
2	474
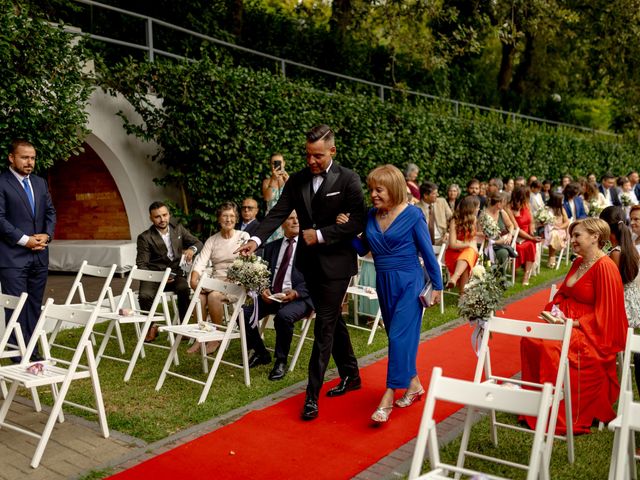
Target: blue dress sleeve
423	242
361	245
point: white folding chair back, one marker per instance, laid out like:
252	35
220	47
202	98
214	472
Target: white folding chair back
561	387
141	320
305	324
513	261
108	303
357	290
440	251
482	396
9	350
56	373
623	455
235	329
632	346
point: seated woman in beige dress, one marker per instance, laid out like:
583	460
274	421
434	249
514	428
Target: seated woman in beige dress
219	250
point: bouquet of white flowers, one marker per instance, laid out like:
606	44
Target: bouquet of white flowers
483	292
544	216
625	199
595	208
251	272
483	295
489	226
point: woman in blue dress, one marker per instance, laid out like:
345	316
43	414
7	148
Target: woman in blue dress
397	235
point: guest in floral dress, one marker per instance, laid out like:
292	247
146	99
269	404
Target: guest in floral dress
625	255
555	237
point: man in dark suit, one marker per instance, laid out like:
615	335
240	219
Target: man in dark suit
249	212
573	203
286	283
27	222
608	189
325	256
163	245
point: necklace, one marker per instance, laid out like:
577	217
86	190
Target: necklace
384	215
586	264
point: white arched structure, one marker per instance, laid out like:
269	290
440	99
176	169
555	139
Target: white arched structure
127	158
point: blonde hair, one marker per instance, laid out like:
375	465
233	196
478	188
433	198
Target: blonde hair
392	179
594	226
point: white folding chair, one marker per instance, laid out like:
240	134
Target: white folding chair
356	290
9	350
56	373
486	397
108	303
235	329
623	454
514	260
439	251
561	388
305	324
536	265
566	250
621	445
140	319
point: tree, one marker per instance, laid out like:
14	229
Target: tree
43	89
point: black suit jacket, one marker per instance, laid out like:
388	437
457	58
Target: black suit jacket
340	192
615	198
270	254
17	219
251	228
152	252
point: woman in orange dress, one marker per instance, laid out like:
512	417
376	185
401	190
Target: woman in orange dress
526	244
462	252
592	296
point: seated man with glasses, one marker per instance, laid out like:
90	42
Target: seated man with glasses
249	212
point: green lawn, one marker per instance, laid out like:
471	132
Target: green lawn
135	408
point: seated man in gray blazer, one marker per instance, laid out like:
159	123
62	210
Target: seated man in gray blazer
287	283
436	210
162	246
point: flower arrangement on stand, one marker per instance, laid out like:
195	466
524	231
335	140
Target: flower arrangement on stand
253	274
483	295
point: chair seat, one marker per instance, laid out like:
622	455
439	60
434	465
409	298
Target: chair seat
615	423
192	330
130	318
368	292
51	374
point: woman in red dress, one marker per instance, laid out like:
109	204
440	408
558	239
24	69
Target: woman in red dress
462	251
592	296
526	244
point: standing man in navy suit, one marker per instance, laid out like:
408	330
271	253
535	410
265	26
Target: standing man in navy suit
27	222
325	255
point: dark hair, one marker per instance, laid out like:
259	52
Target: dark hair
320	132
518	198
631	173
608	175
156	206
465	215
19	142
571	190
622	180
629	258
472	181
591	192
227	206
546	181
427	188
535	184
494	197
555	203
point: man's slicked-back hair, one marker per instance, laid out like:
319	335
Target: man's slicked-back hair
156	206
320	132
19	142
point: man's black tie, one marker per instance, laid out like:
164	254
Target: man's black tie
284	264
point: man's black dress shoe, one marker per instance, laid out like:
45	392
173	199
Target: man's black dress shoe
310	409
259	359
346	384
278	371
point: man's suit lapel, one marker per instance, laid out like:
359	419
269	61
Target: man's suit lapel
306	192
13	181
327	184
273	258
176	241
157	240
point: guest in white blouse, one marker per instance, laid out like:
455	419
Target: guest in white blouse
219	249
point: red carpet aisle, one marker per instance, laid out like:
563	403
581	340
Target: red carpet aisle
274	443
